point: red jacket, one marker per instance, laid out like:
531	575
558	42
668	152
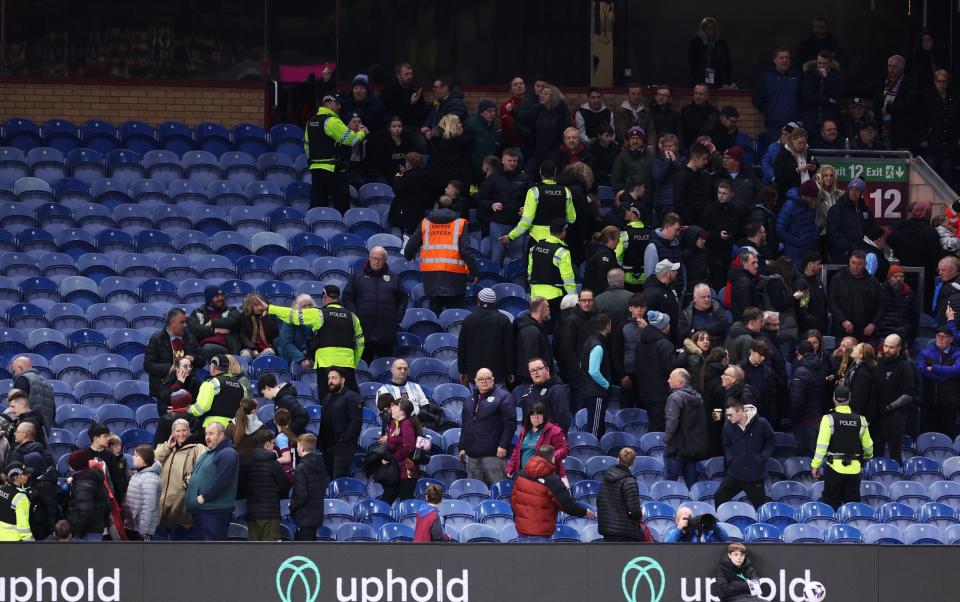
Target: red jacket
402	441
508	132
550	434
537	497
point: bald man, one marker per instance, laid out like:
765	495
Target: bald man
38	389
896	378
377	297
488	423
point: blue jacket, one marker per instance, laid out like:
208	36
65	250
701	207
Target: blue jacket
746	451
215	477
942	381
674	535
292	341
797	226
777	96
378	299
846	225
766	164
662	171
492	424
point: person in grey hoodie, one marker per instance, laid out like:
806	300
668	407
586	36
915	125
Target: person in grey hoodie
686	431
141	506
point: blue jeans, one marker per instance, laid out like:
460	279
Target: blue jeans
533	538
674	466
513	250
212	525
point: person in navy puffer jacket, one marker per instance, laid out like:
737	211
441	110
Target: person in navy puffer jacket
797	221
777	93
378	298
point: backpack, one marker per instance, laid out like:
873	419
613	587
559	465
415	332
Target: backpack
431	417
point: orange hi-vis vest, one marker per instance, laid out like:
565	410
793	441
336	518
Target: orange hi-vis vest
440	251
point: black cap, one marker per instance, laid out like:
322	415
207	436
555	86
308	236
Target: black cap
15	469
332	291
944	329
841	393
221	361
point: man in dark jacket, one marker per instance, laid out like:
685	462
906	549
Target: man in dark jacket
947	292
601	259
19	411
215	325
847	221
806	398
604	151
743	333
896	102
364	103
284	397
538	495
743	288
89	508
403	98
25	441
533	340
777	93
340	424
310	481
939	362
812	307
693	186
721	220
901	310
916	243
747	445
444	279
760	376
656	358
500	200
116	469
745	183
548	390
615	299
618	503
896	382
665	119
660	294
486	341
855	300
166	346
796	223
686	429
267	484
574	330
378	298
820	91
447	101
698	118
488	421
704	313
38	389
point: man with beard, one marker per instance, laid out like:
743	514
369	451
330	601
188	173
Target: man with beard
533	339
340	424
901	312
547	389
896	390
215	325
404	98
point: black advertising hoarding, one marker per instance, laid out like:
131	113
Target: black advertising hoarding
359	572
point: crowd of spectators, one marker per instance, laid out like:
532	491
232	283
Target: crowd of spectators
702	302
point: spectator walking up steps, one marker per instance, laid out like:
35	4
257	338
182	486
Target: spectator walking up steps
310	481
486	342
212	491
619	515
337	335
533	338
843	444
748	442
538	495
328	145
446	258
488	422
377	297
340	424
685	435
596	374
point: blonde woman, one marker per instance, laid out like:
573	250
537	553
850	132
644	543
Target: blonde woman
449	154
794	165
709	57
177	455
829	193
549	118
258	330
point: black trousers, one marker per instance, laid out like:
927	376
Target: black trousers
305	534
440	303
403	490
892	428
730	487
374	349
940	418
839	488
322	387
339	458
329	188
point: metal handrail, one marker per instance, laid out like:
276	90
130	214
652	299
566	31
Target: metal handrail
940	188
861	154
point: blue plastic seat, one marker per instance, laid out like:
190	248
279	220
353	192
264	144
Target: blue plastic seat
87	341
308	246
420	322
37	288
951	535
254	267
269	245
14	264
110	367
882	534
802	533
267	194
842	534
61	134
192	243
857	514
442	346
584	446
469	490
86	165
817	514
47	342
200	166
291	267
16	217
652	444
54	217
239	167
793	493
356	532
922	535
873	493
94	393
145	315
762	533
66	316
394	532
154	242
276	292
120	291
12	342
191	291
74	418
922	470
136	265
428	372
110	192
124	165
277	168
25	316
176	137
325	221
70	368
212	138
940	515
133	438
373	512
159	290
133	393
71	192
895	513
215	267
737	513
114	241
162	166
250	138
13	164
347	489
47	163
286	138
149	193
209	219
287	222
33	192
147	417
936	446
21	133
99	135
35	242
138	136
777	514
61	441
174	266
187	194
883	470
447	469
350	247
946	492
117	417
331	270
127	342
951	469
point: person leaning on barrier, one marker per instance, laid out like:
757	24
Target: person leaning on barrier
843	444
694	529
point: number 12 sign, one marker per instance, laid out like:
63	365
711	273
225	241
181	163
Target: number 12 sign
887	180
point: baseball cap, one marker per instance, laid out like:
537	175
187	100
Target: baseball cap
15	469
220	360
664	266
636	131
330	98
856	101
841	393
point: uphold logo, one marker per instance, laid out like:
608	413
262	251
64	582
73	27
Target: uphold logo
639	571
294	571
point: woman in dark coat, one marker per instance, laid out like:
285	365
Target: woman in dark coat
794	165
401	440
578	177
547	122
708	52
861	379
714	396
413	195
449	155
177	391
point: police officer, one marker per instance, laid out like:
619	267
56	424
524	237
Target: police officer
633	243
15	504
327	142
544	203
550	269
337	336
220	395
843	443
